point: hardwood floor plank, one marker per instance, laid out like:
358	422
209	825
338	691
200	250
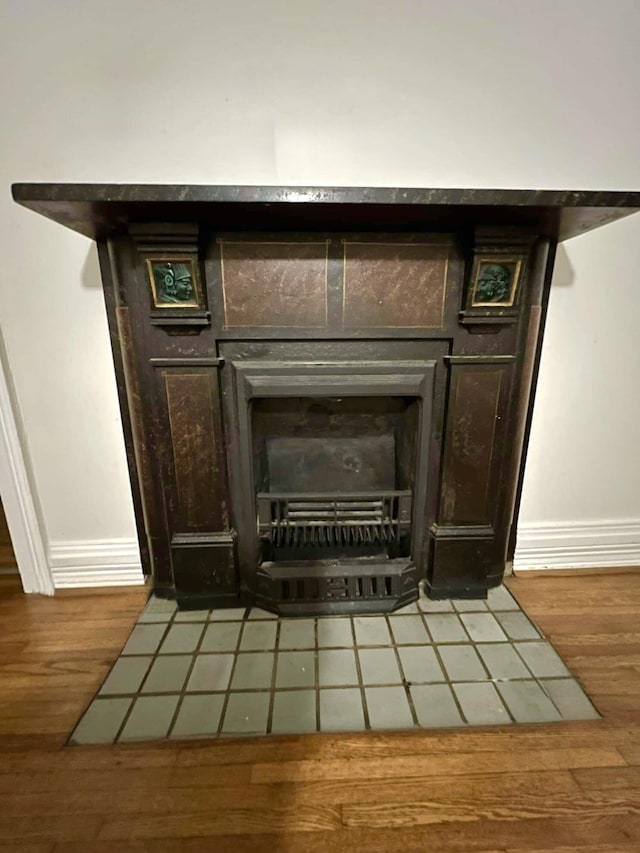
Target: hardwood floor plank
600	779
518	807
452	765
487	790
631	753
241	820
377	745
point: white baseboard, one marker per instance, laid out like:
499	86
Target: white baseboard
109	562
578	545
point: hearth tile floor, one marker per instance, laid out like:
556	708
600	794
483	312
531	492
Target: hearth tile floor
434	664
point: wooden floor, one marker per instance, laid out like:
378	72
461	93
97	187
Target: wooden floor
562	787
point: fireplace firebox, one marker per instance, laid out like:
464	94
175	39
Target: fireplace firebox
325	393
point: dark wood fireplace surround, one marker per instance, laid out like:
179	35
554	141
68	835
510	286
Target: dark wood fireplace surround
325	393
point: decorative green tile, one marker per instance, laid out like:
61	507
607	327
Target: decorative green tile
495	283
294	712
173	282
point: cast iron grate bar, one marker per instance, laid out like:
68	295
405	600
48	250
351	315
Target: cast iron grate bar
291	520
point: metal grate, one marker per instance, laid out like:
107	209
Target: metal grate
290	520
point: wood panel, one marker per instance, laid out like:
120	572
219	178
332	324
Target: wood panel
394	284
194	445
470	445
274	283
565	787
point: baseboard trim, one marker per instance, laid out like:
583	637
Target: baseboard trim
95	563
578	545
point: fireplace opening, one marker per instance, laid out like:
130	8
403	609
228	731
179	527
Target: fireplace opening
334	478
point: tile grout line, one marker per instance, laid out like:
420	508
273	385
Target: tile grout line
316	629
449	684
274	675
363	695
137	694
225	701
405	683
326	687
185	683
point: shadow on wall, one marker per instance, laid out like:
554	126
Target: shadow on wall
563	273
90	276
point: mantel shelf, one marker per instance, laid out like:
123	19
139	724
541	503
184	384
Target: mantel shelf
98	210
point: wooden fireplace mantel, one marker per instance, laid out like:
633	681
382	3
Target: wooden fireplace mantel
218	296
98	210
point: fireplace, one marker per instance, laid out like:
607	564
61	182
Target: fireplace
329	477
325	393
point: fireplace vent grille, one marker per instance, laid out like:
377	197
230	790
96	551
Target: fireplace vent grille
290	520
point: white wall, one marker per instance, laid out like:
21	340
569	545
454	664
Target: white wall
418	93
